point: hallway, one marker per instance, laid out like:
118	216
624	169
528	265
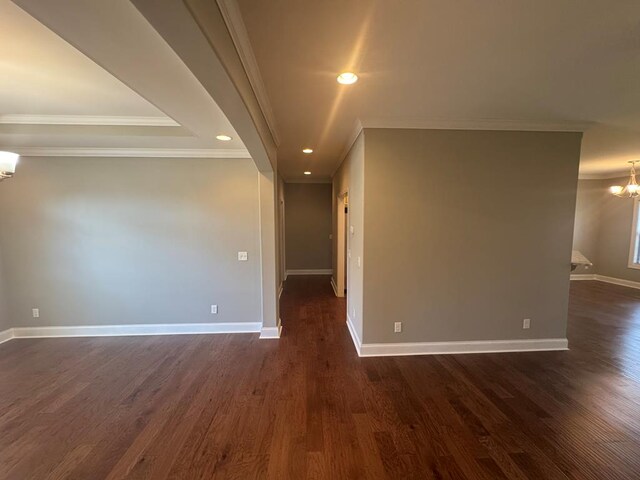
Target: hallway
306	406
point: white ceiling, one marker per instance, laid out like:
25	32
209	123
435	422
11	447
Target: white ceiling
548	64
122	92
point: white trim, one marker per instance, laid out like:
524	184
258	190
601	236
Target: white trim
602	278
238	31
135	330
333	285
6	335
484	346
327	271
604	175
354	335
130	152
474	124
271	332
96	120
280	290
353	136
618	281
583	276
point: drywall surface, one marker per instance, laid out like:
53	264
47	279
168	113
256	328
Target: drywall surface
308	226
105	241
466	233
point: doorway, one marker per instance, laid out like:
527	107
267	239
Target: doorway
342	244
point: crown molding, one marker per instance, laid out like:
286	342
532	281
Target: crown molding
20	119
474	124
130	152
351	139
604	175
238	31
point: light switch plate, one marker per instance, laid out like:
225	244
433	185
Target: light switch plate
243	256
214	309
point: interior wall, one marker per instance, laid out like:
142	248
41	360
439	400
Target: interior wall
308	226
467	234
589	204
350	178
614	234
4	310
131	241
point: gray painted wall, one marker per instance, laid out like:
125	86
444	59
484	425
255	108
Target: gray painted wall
350	178
589	204
467	233
128	241
308	226
610	219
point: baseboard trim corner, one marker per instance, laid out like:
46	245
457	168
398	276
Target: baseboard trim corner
603	278
6	335
618	281
322	271
136	330
354	335
334	286
271	332
439	348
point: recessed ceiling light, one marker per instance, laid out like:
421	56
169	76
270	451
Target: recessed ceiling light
224	138
307	150
307	173
347	78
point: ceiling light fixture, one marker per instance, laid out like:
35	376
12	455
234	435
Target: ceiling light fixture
347	78
307	150
632	189
8	161
224	138
307	173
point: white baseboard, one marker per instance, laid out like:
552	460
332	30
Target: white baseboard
605	279
327	271
6	335
135	330
618	281
335	288
354	335
271	332
438	348
583	276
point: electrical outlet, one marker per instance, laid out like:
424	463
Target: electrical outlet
526	323
35	312
243	256
214	309
397	327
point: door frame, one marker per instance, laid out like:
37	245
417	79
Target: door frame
342	244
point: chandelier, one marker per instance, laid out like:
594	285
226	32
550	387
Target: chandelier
8	162
632	189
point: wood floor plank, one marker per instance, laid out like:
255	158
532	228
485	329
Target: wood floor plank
307	407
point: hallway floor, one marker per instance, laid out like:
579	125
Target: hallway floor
306	406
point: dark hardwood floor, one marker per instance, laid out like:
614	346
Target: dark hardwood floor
234	406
